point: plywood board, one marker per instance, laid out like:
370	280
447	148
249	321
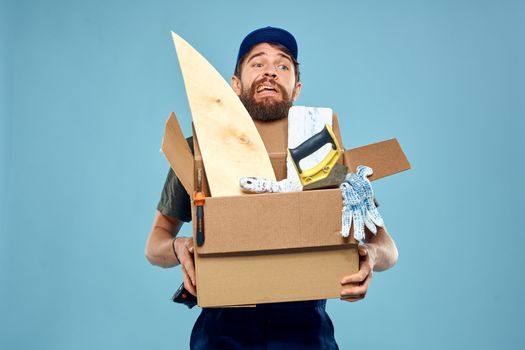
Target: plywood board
229	142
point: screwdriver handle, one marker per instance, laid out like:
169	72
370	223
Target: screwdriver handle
199	199
200	225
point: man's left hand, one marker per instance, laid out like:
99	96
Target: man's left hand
355	286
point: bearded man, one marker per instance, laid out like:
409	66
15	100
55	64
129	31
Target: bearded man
267	80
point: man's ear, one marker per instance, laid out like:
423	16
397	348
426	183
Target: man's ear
297	90
236	85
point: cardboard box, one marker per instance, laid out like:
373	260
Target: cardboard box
276	247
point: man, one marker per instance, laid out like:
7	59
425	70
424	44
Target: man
267	81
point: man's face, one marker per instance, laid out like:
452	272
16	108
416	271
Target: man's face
267	85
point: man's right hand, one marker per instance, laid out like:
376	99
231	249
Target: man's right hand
184	249
160	245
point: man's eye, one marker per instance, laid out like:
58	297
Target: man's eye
257	65
283	67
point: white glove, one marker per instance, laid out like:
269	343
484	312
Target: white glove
260	185
358	204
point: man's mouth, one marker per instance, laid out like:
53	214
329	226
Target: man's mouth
266	89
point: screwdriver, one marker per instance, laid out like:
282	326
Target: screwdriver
198	199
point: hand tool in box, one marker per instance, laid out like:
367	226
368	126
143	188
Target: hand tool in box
198	199
328	173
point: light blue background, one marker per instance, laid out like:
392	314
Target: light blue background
86	87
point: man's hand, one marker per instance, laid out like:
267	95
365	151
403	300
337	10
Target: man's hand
355	286
184	249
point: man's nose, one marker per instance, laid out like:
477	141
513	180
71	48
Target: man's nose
270	72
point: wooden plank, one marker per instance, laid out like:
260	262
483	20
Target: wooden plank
229	142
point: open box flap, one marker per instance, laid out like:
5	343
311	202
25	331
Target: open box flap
385	158
178	153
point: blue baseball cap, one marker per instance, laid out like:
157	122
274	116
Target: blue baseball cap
268	35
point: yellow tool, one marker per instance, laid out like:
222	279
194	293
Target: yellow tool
328	173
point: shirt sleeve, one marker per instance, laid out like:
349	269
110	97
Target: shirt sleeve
174	200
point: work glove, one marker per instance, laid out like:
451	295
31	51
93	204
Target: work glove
358	204
260	185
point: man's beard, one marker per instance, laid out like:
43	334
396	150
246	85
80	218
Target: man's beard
267	108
